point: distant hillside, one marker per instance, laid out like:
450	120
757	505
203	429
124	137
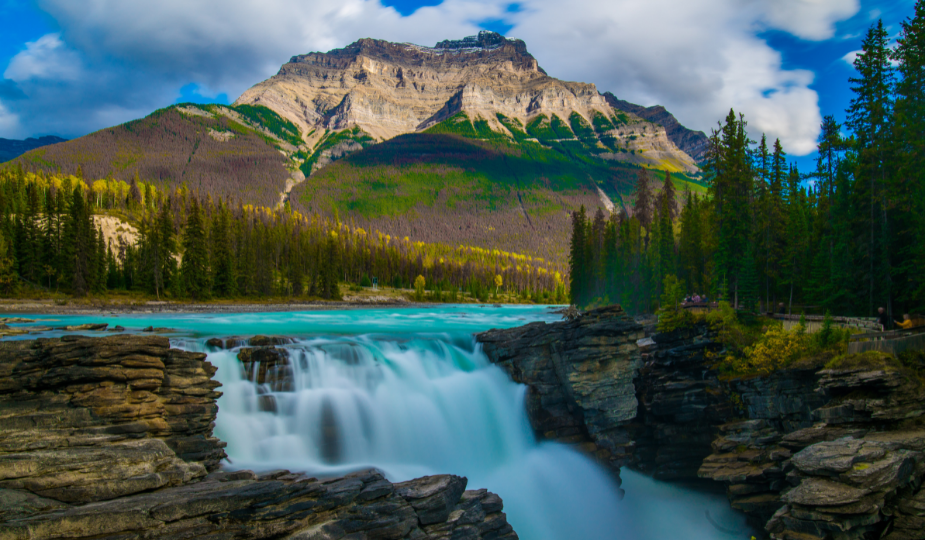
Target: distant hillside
462	182
12	148
694	143
234	153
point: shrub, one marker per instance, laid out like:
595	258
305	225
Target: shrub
419	284
830	336
670	314
365	282
778	348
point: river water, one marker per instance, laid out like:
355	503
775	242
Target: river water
409	392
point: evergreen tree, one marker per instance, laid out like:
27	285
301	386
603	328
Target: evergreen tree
644	205
195	266
76	246
577	259
870	119
671	196
164	249
729	167
910	157
101	273
8	280
666	246
223	276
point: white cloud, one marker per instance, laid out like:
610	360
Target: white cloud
45	58
808	19
697	57
9	124
851	57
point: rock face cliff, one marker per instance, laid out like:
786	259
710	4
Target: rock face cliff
112	438
812	452
579	376
694	143
389	89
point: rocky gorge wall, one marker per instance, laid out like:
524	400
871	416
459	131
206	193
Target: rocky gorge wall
808	453
112	438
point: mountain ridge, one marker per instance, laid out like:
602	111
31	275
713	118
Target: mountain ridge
13	148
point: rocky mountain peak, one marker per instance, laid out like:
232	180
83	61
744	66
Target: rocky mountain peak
485	39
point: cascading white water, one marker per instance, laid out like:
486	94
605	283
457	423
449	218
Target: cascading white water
413	408
428	405
416	404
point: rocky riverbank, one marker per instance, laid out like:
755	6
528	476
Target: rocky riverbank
811	452
112	438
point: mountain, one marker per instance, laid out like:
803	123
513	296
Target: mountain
229	152
694	143
12	148
387	89
467	142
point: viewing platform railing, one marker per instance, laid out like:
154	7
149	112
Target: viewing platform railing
893	341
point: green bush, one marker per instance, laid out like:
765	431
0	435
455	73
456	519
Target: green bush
670	314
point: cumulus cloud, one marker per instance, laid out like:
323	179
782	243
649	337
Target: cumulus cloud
808	19
45	58
9	122
698	57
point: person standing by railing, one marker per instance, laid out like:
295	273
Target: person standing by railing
908	322
883	319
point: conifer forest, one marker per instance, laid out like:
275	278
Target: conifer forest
847	237
188	247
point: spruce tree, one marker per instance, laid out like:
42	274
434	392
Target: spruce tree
577	264
223	277
76	247
8	280
671	195
164	249
910	156
870	119
666	247
643	203
195	265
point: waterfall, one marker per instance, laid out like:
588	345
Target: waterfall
412	407
412	404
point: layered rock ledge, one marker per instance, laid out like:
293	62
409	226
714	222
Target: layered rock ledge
579	376
808	453
112	438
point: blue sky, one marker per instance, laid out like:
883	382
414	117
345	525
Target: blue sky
73	66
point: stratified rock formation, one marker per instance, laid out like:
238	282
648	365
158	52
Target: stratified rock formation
387	89
579	376
816	451
694	143
112	438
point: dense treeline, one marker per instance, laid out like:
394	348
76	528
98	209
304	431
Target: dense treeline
848	237
187	247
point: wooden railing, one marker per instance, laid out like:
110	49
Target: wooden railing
893	341
814	322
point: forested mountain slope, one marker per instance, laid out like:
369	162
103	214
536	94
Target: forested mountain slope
469	141
228	152
462	182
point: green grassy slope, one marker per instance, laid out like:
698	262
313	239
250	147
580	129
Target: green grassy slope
462	182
